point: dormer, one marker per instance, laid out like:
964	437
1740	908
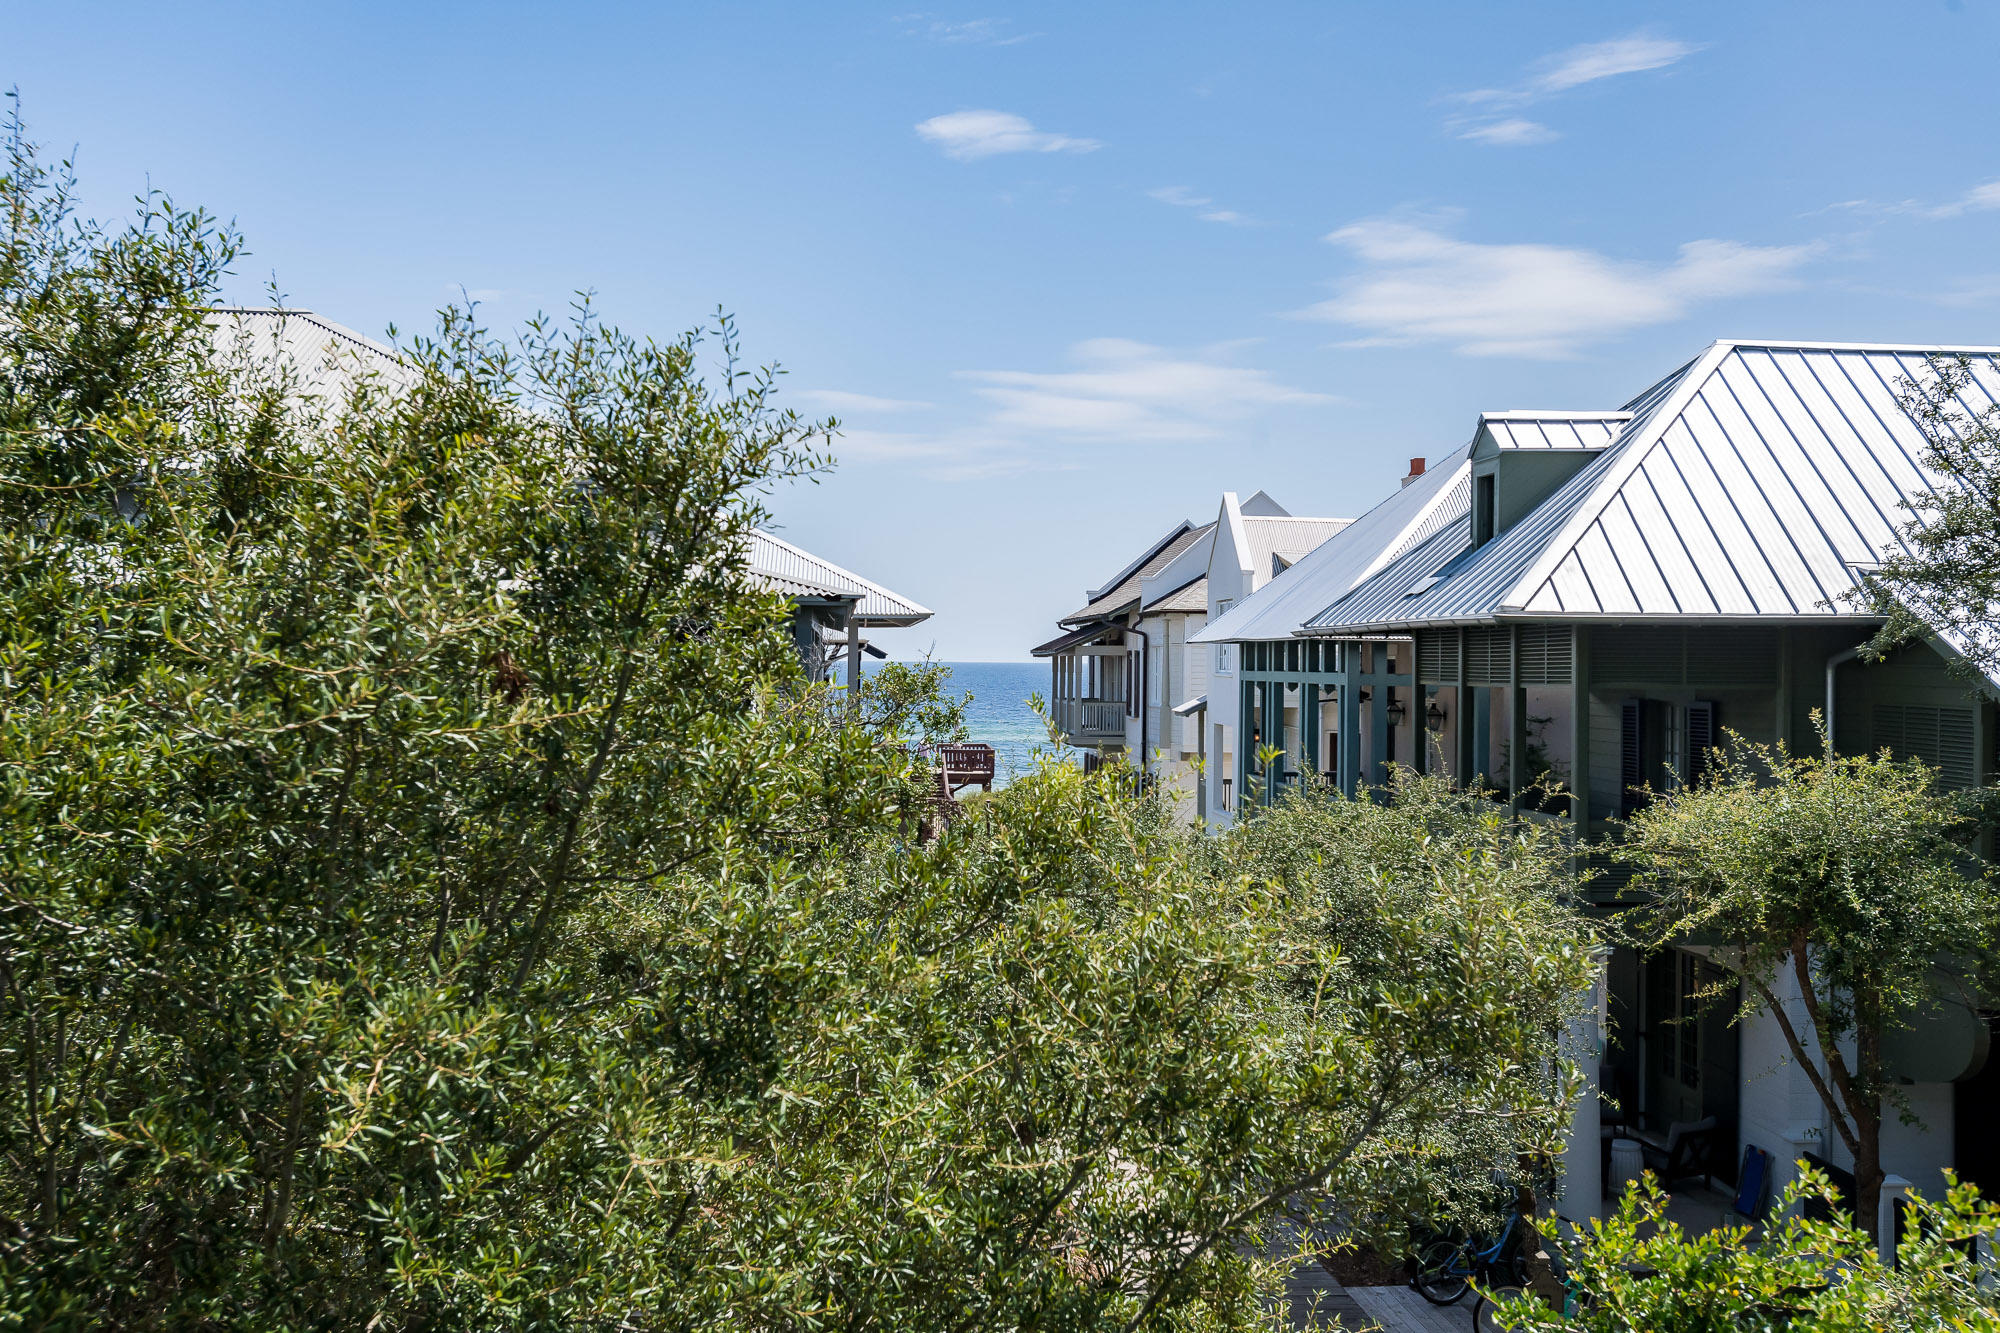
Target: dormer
1520	458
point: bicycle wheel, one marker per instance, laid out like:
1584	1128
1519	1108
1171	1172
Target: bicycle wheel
1485	1316
1441	1276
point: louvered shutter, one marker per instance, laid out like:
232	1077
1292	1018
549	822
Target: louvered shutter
1632	756
1701	738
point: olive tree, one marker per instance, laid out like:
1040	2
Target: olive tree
432	895
1844	878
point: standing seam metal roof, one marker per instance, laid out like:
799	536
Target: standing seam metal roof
1755	483
778	564
1328	571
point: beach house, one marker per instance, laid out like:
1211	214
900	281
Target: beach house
1125	678
831	607
1593	596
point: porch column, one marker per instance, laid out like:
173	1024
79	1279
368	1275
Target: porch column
1579	731
1350	719
854	658
1517	722
1378	715
1582	1159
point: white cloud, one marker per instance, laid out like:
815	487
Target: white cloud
1125	390
840	400
1420	285
1513	132
968	135
966	32
1983	198
1116	391
1603	60
1555	74
1180	196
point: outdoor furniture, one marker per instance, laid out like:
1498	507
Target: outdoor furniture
1628	1162
1685	1153
1751	1181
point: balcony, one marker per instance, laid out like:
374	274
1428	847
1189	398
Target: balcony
1090	722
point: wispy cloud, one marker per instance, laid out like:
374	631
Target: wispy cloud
1420	285
1489	122
969	135
1983	198
1113	392
964	32
1132	391
1180	196
1513	132
841	400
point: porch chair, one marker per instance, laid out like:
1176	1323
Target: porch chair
1686	1152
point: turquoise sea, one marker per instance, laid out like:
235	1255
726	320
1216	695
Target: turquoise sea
999	714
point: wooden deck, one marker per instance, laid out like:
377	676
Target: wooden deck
1401	1310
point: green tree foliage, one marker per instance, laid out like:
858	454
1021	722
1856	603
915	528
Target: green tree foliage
431	896
1945	576
1386	905
1842	878
1637	1272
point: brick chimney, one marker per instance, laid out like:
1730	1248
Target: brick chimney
1416	470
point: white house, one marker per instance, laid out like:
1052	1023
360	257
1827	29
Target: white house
1124	681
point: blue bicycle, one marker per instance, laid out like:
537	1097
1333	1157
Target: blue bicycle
1447	1268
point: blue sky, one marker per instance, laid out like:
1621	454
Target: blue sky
1066	273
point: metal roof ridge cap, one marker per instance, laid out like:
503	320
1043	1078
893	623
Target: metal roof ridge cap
1629	455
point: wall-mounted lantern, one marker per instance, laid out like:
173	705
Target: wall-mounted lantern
1434	715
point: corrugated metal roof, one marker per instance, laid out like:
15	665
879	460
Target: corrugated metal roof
1750	484
327	357
1277	609
1571	431
785	567
1124	591
1289	539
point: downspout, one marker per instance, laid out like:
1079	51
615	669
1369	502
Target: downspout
1833	664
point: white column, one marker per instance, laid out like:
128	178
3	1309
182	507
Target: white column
1582	1159
1894	1187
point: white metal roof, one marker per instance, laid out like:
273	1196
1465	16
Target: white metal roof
1550	431
1346	556
1753	483
326	357
782	566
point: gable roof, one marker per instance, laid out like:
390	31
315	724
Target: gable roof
326	357
1122	593
1438	497
783	567
1757	482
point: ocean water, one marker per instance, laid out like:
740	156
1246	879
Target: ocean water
999	714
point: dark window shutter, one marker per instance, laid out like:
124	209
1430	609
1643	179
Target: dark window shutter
1701	738
1632	756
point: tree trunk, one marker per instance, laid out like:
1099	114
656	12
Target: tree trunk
1866	1100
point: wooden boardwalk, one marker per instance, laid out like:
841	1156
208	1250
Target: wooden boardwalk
1401	1310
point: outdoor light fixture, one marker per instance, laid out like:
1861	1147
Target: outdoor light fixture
1434	715
1397	712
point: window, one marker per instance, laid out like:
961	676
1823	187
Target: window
1663	746
1223	651
1484	510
